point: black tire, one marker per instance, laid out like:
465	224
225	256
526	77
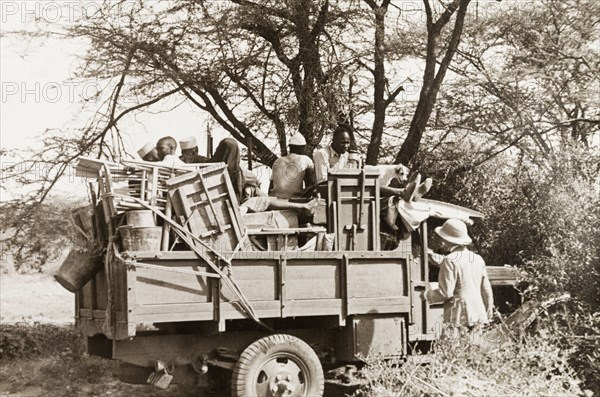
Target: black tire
278	361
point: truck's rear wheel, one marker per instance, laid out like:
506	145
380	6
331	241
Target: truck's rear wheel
278	365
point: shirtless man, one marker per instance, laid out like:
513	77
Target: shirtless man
294	172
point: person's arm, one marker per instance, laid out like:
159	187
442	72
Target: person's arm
486	294
321	167
309	175
446	284
435	258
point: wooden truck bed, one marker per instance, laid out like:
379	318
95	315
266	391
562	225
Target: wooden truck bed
160	287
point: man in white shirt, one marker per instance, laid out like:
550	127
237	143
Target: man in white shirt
294	172
335	155
165	148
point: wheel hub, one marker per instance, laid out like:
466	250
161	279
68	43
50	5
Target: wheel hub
284	384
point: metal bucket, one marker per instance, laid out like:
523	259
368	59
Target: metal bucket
140	218
140	238
77	269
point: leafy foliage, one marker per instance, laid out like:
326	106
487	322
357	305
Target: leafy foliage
528	77
531	367
23	340
543	216
35	234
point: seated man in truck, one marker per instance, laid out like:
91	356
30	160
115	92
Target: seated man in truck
189	151
246	184
335	155
166	148
294	172
148	152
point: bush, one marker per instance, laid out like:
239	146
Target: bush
25	340
34	234
531	367
543	215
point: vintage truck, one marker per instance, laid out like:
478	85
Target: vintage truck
200	288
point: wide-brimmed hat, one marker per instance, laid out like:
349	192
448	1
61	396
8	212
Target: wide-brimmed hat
147	148
454	231
189	142
297	139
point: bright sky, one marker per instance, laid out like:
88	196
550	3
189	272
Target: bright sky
37	92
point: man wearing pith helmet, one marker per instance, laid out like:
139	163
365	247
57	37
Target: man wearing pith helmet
294	172
463	283
189	151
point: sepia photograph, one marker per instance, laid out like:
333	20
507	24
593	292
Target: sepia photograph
299	198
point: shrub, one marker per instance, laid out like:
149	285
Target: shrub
531	367
543	215
34	234
25	340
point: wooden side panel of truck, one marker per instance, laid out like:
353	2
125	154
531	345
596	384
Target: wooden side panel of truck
176	287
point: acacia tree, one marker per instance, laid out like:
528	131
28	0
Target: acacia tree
432	78
533	78
261	69
255	67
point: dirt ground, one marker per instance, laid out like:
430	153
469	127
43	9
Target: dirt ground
39	298
32	298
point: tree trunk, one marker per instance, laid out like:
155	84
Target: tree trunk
379	104
431	85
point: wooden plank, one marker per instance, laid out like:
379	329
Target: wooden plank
374	280
282	284
167	317
204	309
375	303
242	258
297	230
166	230
236	227
318	280
344	285
99	314
210	203
86	313
154	187
193	219
258	282
131	298
174	289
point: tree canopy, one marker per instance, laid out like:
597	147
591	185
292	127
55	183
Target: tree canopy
409	77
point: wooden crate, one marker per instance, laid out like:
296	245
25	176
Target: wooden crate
206	204
354	231
142	180
271	219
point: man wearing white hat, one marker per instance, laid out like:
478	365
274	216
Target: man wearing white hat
189	151
291	172
463	283
148	152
